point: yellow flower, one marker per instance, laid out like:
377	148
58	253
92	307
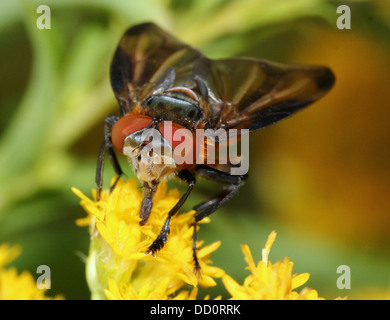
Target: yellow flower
117	267
269	281
15	286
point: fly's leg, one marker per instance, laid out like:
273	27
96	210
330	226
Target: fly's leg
107	145
204	209
162	238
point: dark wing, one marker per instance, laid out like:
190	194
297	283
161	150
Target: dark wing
147	57
242	93
252	94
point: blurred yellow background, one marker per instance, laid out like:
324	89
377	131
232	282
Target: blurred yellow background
320	179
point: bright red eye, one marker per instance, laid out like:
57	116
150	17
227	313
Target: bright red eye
182	141
126	126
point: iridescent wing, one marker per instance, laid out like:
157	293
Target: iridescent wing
148	58
253	94
240	93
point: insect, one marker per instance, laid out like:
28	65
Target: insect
159	80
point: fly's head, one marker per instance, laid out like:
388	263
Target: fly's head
150	155
137	137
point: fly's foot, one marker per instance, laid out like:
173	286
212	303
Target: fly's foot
157	245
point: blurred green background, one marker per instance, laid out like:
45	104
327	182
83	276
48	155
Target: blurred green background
321	179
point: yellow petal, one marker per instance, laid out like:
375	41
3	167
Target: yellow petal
299	280
267	248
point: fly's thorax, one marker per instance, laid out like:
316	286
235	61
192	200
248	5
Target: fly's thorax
150	154
180	105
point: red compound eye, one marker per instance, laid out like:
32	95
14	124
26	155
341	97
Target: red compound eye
126	126
182	141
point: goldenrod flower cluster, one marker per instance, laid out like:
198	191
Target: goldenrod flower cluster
269	281
117	267
14	285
